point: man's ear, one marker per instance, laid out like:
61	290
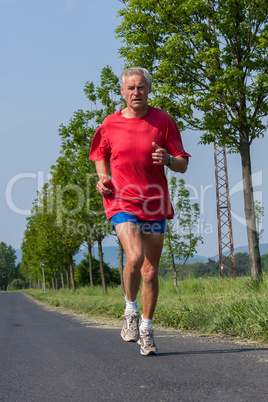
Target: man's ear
122	91
150	88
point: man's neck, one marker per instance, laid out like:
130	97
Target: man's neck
130	113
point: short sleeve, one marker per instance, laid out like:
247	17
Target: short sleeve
173	142
100	148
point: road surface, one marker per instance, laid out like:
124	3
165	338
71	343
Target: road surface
50	356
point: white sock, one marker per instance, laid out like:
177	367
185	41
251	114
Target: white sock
146	323
131	305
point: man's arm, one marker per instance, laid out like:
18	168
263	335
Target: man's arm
104	184
179	164
161	157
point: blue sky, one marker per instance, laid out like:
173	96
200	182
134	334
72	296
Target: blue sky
49	50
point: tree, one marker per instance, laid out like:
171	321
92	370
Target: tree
30	260
180	240
209	63
242	264
121	263
47	242
8	270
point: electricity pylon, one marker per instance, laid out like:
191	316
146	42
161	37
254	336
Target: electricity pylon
225	233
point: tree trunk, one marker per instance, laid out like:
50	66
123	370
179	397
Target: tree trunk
175	274
56	280
89	245
62	277
101	267
67	279
121	264
52	279
175	280
71	265
254	252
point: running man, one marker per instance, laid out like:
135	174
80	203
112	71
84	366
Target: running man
131	149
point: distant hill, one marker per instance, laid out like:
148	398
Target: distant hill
244	249
263	249
110	254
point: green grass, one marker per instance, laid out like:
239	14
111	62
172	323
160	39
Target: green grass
208	306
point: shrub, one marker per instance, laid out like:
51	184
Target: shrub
17	284
81	274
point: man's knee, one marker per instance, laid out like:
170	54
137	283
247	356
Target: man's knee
150	274
135	260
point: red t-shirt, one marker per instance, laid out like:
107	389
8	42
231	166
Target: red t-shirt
139	186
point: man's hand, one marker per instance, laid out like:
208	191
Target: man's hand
104	186
160	156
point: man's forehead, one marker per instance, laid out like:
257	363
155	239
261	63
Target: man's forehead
135	79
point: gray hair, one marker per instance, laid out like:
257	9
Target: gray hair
135	71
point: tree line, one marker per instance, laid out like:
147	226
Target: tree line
12	279
210	269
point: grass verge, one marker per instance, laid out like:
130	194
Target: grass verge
209	306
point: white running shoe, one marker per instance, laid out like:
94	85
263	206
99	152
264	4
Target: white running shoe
130	331
146	342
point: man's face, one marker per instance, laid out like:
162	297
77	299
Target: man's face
135	91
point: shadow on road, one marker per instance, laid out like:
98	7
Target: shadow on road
204	352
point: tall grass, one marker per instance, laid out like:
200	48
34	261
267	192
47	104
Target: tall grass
209	306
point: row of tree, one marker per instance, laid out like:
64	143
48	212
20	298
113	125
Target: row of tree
210	269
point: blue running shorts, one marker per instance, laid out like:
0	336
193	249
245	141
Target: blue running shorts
157	226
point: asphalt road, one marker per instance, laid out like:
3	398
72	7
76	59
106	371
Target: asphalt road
50	356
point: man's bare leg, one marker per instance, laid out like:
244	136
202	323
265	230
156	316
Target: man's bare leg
153	244
130	238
